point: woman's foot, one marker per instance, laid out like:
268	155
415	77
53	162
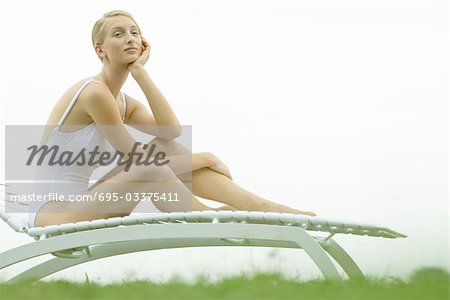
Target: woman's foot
309	213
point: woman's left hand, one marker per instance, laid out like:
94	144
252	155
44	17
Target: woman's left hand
140	62
217	165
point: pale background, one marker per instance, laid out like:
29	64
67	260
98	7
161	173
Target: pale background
338	107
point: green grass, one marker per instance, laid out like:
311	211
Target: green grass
426	284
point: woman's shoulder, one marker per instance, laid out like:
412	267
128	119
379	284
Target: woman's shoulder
92	85
91	88
95	93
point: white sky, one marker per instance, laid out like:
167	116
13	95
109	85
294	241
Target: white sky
338	107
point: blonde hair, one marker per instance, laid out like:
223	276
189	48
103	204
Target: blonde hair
99	29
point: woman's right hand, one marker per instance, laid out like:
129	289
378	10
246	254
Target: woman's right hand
140	62
217	165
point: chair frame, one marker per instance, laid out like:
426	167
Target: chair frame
92	240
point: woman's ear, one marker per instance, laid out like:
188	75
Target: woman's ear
99	51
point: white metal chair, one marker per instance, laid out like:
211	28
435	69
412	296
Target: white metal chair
76	243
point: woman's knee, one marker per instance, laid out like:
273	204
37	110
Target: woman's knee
153	173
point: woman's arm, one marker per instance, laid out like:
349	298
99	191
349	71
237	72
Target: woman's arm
161	109
100	105
139	117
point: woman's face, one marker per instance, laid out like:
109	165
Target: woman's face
123	42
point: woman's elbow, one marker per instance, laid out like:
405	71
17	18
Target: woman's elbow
170	132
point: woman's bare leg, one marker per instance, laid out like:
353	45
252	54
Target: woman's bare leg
127	189
209	184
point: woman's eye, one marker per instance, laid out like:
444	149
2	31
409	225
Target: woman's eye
117	34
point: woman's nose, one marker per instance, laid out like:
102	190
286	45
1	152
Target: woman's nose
131	38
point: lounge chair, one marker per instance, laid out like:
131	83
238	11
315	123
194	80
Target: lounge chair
76	243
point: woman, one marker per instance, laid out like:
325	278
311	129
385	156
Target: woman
97	101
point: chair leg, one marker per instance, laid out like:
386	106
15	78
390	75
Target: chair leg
342	258
317	254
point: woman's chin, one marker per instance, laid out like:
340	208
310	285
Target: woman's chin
129	60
